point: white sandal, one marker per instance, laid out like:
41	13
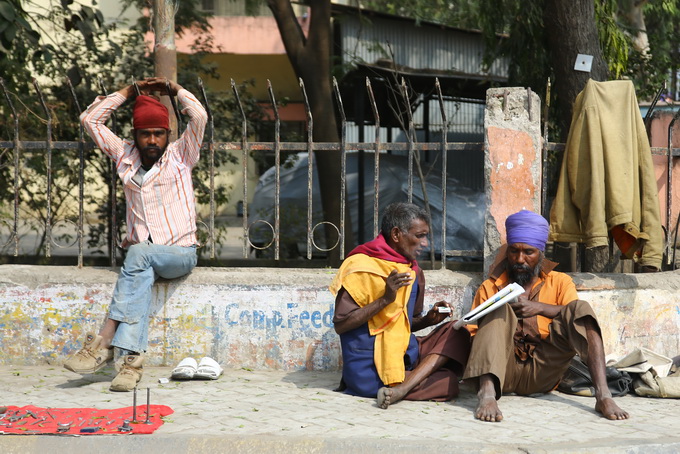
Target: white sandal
185	370
208	369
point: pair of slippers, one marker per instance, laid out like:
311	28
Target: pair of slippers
189	369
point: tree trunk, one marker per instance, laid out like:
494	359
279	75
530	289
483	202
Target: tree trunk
165	54
571	30
310	58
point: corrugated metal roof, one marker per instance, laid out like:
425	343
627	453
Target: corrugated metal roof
423	46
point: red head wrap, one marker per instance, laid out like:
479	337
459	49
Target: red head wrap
149	113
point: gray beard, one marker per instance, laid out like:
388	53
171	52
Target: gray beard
522	274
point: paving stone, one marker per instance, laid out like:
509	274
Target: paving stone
276	411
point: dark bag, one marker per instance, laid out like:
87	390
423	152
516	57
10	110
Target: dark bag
577	380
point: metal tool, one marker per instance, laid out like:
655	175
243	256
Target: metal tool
16	417
125	427
134	405
44	418
148	406
63	427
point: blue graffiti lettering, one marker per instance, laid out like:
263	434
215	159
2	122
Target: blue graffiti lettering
328	317
275	321
304	315
292	317
316	316
272	320
245	315
258	320
226	314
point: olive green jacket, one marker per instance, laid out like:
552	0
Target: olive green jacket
607	177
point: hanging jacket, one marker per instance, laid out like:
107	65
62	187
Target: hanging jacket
607	177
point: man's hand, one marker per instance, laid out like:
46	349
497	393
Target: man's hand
160	84
394	282
525	308
152	84
433	316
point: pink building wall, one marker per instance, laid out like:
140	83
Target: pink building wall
245	35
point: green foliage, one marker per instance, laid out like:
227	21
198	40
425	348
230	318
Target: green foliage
188	16
662	62
613	40
513	29
29	39
517	23
460	13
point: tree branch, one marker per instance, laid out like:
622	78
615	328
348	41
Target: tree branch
291	33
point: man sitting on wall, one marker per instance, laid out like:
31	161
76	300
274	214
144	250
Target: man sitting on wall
379	292
161	218
525	347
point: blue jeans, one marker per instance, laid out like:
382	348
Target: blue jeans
131	303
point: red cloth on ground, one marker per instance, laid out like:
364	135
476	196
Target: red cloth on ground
108	421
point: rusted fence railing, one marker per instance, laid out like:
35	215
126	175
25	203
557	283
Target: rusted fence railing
411	148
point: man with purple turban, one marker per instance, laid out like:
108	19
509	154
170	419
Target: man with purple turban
525	347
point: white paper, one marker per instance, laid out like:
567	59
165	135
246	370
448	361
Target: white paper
503	296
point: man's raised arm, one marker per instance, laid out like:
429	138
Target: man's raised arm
94	118
189	144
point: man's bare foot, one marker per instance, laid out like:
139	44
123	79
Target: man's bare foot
487	409
388	396
608	408
487	406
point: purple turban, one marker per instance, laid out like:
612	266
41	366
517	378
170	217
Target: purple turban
527	227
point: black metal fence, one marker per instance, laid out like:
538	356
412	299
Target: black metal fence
411	148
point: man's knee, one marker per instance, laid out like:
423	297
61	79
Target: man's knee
137	250
136	256
578	311
582	313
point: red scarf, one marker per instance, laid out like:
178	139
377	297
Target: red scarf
379	249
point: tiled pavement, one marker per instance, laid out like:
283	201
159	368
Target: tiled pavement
272	411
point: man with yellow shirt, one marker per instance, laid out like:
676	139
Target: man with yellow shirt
379	292
525	347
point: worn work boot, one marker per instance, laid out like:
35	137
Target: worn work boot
91	357
130	368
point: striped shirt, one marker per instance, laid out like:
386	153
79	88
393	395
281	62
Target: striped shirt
163	207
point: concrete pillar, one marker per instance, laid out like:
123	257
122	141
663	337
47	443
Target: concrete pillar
658	137
512	161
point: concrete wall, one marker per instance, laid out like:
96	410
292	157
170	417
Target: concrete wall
269	318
